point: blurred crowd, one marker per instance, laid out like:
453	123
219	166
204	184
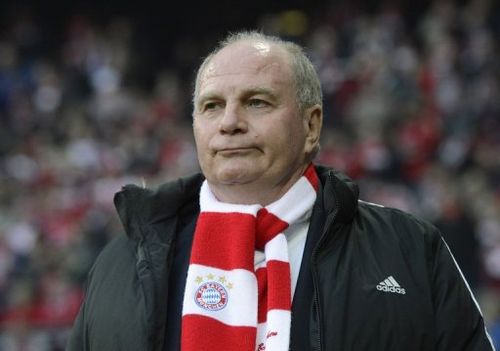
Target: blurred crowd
412	113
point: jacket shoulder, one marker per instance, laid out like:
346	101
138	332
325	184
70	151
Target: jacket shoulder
170	195
403	223
402	234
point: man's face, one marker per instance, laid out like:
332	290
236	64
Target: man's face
247	126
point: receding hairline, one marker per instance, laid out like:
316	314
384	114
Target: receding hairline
282	52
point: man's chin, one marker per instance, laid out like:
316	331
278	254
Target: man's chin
236	176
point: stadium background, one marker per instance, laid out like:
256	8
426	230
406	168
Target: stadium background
94	96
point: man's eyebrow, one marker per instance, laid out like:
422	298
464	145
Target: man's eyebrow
259	91
208	96
245	94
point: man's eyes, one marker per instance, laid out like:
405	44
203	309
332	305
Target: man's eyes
210	106
258	103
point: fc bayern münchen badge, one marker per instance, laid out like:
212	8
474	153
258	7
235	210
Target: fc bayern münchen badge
211	296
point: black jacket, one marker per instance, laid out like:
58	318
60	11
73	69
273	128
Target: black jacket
372	278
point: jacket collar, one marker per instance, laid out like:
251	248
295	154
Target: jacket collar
139	206
339	192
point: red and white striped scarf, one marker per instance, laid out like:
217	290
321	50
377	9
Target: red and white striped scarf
229	304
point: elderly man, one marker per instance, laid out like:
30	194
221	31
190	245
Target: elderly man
266	251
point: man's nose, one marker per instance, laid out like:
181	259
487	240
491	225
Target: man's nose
233	120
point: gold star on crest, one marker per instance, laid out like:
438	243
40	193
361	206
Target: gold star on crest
198	280
229	285
210	276
222	279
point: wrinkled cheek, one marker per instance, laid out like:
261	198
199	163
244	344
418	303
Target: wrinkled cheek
204	160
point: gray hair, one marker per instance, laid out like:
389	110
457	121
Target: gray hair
306	81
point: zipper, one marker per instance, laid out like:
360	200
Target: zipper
328	223
140	252
144	260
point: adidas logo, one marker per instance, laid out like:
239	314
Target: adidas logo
390	284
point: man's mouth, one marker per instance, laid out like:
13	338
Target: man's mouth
235	151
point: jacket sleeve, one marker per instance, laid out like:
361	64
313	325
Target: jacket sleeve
76	338
459	322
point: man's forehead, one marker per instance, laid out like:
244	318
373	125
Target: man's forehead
246	56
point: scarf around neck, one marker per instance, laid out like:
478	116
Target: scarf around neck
230	304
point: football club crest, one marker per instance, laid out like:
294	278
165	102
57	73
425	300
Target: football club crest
212	295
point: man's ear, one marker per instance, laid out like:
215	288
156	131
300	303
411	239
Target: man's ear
313	121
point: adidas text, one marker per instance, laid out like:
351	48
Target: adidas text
393	289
